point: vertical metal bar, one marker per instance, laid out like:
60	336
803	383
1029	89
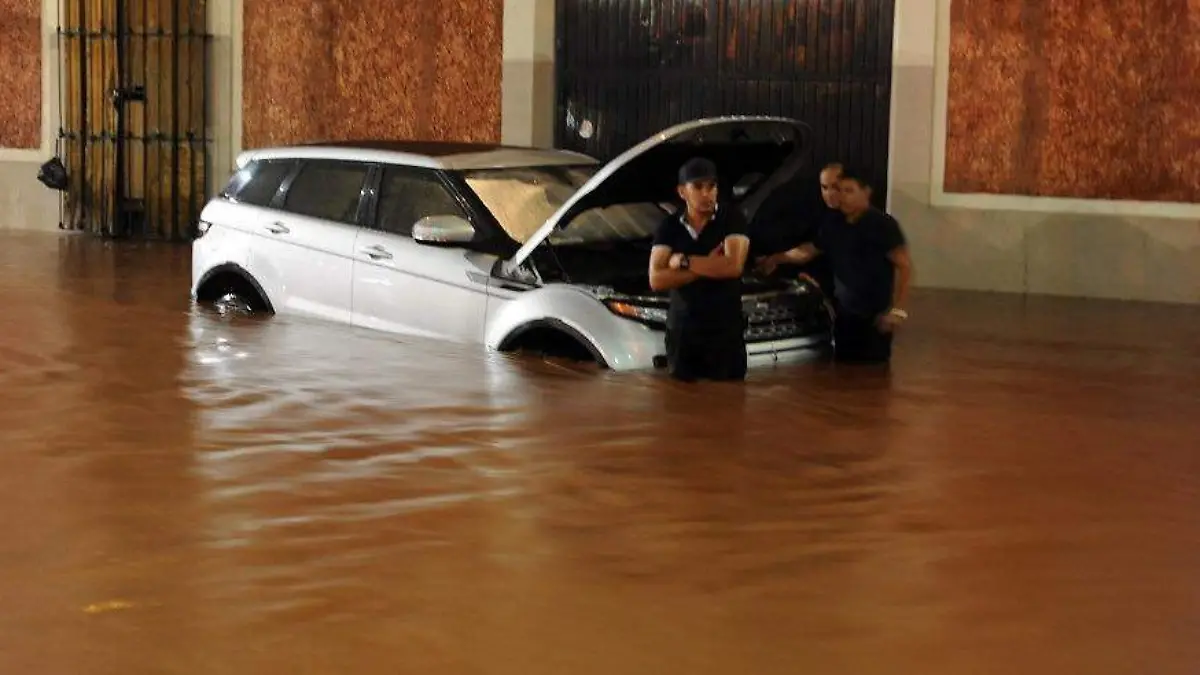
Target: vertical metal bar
120	225
144	158
831	36
58	41
190	221
811	57
865	39
559	56
743	21
885	28
105	108
600	119
842	107
826	99
110	124
592	39
204	66
84	127
175	5
156	168
774	51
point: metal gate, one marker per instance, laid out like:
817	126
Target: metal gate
133	130
629	68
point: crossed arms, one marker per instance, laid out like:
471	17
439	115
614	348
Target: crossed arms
724	262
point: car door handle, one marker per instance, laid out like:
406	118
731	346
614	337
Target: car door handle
377	253
277	228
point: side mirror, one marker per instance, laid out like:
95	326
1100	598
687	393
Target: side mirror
443	231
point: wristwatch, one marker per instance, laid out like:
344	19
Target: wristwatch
898	313
685	261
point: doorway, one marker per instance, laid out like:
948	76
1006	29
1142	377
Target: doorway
133	130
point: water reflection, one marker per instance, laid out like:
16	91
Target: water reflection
1017	494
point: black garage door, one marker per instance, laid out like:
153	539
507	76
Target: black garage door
629	68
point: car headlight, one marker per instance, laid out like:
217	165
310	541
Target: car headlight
654	316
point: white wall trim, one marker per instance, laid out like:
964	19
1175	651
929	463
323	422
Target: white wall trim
941	95
236	75
994	202
1062	205
526	95
225	89
49	92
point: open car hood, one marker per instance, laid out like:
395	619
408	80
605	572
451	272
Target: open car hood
753	155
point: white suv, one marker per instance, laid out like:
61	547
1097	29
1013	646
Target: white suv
515	248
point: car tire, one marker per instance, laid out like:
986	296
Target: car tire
232	303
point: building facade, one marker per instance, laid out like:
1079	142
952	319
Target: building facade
1045	147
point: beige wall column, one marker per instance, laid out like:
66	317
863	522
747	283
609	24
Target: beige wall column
225	88
26	204
527	87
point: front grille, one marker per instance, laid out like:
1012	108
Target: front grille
783	316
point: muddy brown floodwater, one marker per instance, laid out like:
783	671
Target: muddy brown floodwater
186	494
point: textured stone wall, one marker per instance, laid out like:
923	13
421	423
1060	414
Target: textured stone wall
21	73
344	69
1075	98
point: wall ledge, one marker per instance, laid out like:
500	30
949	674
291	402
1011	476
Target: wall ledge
1063	205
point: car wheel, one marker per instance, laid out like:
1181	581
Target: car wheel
232	303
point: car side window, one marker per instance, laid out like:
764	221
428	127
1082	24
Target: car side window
257	182
329	190
407	195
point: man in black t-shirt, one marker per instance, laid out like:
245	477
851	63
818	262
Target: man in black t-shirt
872	270
698	255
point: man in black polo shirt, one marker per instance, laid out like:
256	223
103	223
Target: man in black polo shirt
872	271
698	255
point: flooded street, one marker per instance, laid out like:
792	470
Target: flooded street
186	494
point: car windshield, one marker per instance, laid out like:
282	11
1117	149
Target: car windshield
523	198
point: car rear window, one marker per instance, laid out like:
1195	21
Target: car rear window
258	182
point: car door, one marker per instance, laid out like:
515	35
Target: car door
404	286
311	237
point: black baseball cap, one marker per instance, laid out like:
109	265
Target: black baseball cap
696	169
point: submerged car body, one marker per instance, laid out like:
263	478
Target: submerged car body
509	247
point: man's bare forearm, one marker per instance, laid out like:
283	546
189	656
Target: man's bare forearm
715	266
902	280
667	279
800	255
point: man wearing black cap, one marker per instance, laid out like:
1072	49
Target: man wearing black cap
699	255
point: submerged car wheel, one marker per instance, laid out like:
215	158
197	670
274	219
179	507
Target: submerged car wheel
231	292
552	342
232	303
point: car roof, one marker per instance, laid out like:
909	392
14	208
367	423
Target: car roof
429	154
